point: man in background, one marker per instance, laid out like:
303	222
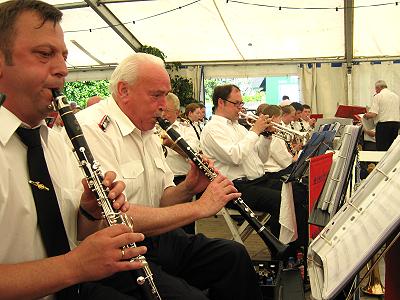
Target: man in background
385	109
93	100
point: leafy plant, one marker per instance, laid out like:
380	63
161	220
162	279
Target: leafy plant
153	50
81	91
183	88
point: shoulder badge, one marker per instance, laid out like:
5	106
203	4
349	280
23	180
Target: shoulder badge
104	122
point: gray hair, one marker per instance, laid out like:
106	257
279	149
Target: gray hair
381	84
174	98
128	69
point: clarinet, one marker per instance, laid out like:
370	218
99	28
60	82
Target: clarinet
276	247
94	176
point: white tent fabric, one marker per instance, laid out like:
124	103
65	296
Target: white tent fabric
324	87
242	38
220	30
375	28
366	74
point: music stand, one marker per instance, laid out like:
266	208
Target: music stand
317	145
349	111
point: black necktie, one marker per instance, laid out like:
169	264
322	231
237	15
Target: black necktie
48	212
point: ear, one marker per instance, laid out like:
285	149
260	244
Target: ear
122	88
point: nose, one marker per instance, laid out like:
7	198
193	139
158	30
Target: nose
163	103
59	66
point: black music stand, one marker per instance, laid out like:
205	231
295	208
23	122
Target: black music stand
318	144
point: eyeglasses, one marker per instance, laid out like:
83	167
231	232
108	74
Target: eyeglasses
237	104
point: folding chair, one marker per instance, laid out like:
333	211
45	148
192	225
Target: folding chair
241	233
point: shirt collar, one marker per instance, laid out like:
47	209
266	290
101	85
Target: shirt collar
223	120
11	122
124	124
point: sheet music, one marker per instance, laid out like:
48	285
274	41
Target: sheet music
352	237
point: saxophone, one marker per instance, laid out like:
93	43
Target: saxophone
94	176
277	248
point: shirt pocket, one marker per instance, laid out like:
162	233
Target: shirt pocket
132	173
132	169
160	165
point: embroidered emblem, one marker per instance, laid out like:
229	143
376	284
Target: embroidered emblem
105	121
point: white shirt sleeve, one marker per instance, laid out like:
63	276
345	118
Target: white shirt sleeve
219	142
280	153
263	148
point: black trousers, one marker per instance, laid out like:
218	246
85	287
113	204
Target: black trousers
385	134
188	267
259	195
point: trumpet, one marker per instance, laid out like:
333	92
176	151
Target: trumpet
280	131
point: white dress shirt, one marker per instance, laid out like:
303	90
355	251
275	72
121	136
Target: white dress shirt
386	105
279	158
177	163
137	157
237	152
20	236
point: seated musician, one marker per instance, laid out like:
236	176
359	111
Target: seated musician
305	117
193	115
282	153
176	158
288	115
183	265
297	123
240	154
203	118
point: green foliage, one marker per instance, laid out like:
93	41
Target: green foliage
257	97
183	88
80	91
210	84
153	50
248	95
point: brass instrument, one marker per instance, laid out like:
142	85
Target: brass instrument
280	131
374	285
94	176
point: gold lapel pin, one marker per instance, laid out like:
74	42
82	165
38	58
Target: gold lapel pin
39	185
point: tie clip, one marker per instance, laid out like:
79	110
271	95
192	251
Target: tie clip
39	185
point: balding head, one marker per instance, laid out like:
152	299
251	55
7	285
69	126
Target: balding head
93	100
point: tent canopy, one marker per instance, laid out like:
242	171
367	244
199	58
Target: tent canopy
99	34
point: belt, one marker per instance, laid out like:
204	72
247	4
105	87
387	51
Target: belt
241	179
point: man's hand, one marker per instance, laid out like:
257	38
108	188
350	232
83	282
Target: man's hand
261	124
312	122
218	193
89	202
100	255
166	140
195	180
